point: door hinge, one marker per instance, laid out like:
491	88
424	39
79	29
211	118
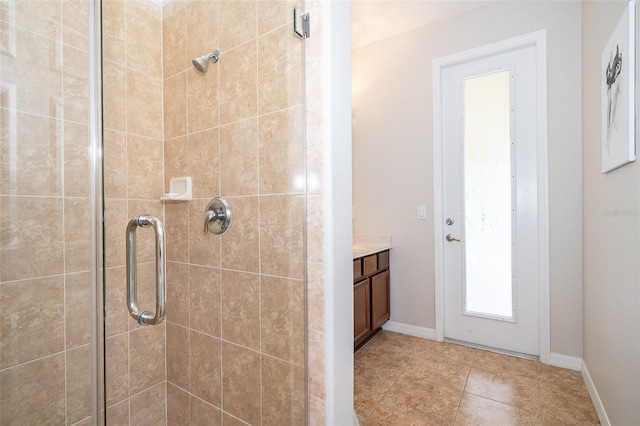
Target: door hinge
301	24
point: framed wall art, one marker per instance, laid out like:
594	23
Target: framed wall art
618	94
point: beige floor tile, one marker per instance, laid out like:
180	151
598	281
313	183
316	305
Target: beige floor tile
385	417
506	364
404	380
438	371
384	354
435	403
563	406
449	352
475	410
363	408
503	387
371	382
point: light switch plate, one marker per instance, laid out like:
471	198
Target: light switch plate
422	212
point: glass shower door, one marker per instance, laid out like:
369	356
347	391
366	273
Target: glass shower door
48	341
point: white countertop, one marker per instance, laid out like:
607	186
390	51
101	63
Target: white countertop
361	250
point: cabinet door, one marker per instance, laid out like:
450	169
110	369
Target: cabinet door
361	312
380	307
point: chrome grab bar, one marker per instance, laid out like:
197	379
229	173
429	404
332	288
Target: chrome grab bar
145	317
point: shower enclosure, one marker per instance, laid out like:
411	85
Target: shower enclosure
101	107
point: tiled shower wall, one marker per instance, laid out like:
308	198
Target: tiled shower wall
236	302
133	151
45	370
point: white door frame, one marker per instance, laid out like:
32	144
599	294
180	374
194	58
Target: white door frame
537	39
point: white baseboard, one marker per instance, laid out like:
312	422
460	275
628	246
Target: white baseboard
411	330
565	361
595	398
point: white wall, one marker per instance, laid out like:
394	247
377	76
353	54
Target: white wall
611	233
392	151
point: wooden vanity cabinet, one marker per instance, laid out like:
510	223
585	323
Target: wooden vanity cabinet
371	295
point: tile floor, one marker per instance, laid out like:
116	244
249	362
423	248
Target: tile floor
409	381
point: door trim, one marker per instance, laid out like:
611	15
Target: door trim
538	40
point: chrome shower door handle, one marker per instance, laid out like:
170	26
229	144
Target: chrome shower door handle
145	317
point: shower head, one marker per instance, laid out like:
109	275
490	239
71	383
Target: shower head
202	62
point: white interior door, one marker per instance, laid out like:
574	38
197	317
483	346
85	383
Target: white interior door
490	201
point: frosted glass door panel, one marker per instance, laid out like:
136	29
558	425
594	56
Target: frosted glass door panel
488	196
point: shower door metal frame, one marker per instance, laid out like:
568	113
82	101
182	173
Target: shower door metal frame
98	394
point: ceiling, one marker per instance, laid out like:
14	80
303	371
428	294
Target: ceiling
373	20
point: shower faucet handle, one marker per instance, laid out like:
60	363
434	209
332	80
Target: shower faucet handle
217	217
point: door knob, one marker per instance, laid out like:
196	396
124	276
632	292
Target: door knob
450	238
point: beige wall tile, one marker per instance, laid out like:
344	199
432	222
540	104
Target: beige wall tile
115	228
75	85
146	358
148	407
117	369
76	160
175	161
239	158
315	160
144	105
240	308
44	19
178	355
113	30
144	168
241	383
283	393
202	28
118	414
37	395
232	12
317	414
177	231
204	163
38	89
25	237
281	250
177	406
205	375
315	296
77	294
282	322
315	228
174	43
281	146
228	420
175	105
117	313
77	234
238	83
114	96
115	164
31	164
202	95
280	71
204	247
75	23
240	244
203	414
316	363
273	14
204	296
143	41
78	384
32	320
178	293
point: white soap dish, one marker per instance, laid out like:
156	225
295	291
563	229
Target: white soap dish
180	189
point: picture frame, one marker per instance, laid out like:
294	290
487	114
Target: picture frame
618	146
